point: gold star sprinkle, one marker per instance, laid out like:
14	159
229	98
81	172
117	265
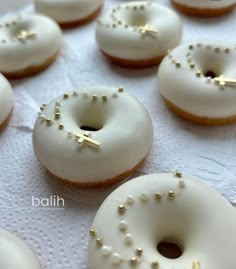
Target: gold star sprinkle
196	265
86	140
26	35
147	29
223	81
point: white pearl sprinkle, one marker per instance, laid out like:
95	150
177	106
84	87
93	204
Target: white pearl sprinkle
70	135
181	184
57	109
130	199
106	250
116	258
144	196
128	239
123	225
208	80
114	95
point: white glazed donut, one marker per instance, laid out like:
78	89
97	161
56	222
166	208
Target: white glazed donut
69	12
143	222
96	136
15	254
204	8
198	81
6	101
138	34
28	44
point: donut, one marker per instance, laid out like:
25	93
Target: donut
204	8
163	221
138	34
28	44
6	102
198	82
69	13
93	137
15	254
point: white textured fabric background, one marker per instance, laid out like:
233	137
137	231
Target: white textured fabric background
59	237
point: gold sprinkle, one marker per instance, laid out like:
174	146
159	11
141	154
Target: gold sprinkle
178	65
191	47
94	98
139	252
57	115
49	122
217	50
154	265
158	196
192	65
92	233
227	50
61	126
41	108
121	89
66	96
198	73
178	174
133	261
171	194
98	242
104	98
121	209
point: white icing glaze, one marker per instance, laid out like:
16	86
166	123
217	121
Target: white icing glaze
200	96
43	42
119	35
203	4
15	254
6	98
195	219
64	11
125	135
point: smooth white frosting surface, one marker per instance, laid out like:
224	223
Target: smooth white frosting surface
15	254
199	95
202	4
6	98
197	218
44	40
119	32
67	10
124	134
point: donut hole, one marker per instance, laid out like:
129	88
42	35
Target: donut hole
169	249
89	128
210	74
90	117
137	19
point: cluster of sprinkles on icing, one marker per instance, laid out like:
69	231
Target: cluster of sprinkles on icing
119	24
83	139
220	81
21	36
122	210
